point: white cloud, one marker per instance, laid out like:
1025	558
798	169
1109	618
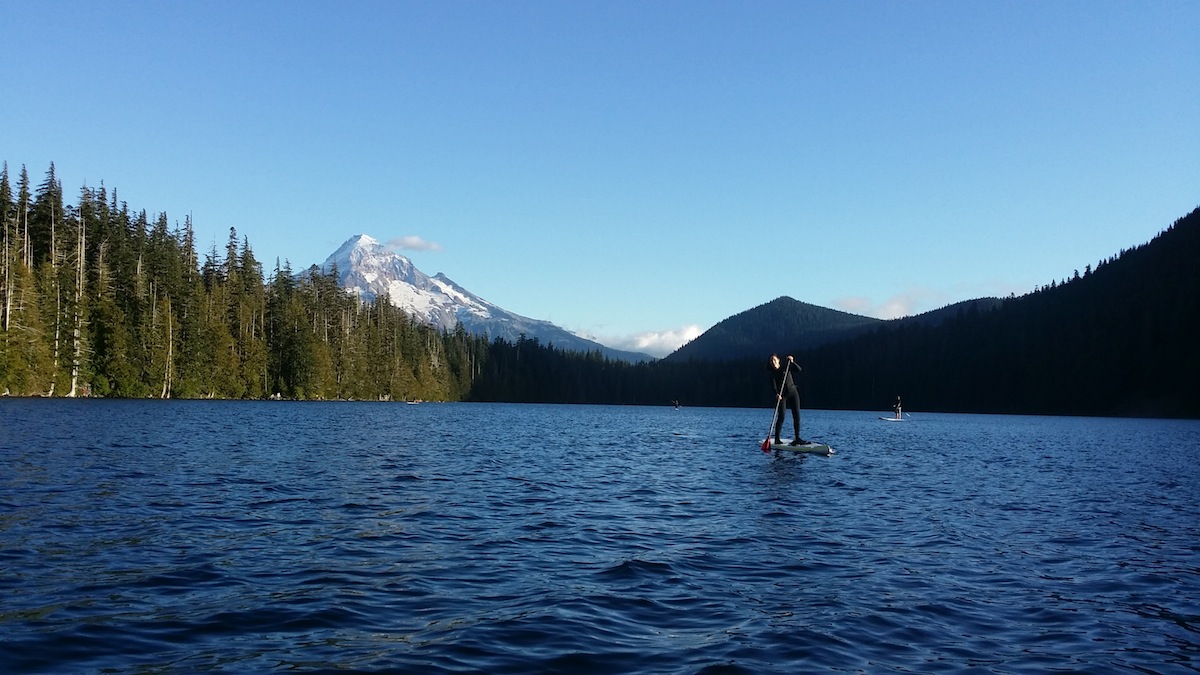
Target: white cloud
412	243
854	304
655	343
915	301
910	302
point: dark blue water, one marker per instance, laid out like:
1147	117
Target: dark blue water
232	536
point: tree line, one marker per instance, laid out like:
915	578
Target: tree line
1115	339
99	300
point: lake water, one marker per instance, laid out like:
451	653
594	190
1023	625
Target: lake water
150	536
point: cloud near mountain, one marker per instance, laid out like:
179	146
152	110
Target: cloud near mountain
412	243
654	343
894	307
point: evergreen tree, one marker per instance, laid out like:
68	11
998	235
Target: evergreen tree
25	360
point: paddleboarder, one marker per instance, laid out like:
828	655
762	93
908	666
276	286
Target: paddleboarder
787	395
896	407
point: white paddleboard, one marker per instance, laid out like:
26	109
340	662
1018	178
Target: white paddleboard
892	419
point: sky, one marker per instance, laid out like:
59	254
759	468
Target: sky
634	172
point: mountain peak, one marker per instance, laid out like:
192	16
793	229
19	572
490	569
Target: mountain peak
355	243
370	270
780	325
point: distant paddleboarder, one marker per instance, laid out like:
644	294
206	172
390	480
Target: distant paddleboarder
786	395
896	407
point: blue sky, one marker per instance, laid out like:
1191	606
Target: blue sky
632	171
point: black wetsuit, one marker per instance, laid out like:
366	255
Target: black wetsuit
781	378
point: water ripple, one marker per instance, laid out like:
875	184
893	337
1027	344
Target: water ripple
184	536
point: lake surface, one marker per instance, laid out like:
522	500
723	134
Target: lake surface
184	536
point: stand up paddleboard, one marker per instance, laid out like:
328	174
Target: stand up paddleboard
892	419
811	447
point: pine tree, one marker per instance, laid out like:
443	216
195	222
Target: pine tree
247	320
25	359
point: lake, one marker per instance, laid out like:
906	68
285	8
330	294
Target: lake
183	536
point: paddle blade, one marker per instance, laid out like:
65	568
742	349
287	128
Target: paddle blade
766	445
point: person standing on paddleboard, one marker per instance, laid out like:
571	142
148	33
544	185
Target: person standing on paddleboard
787	395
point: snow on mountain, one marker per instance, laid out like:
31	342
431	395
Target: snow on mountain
369	269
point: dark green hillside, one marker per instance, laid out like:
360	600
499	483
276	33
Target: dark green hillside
1115	340
782	325
940	316
1119	339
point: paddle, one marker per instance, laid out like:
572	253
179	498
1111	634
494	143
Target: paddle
766	444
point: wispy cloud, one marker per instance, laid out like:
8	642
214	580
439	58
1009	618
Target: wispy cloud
655	343
910	302
412	243
855	304
919	300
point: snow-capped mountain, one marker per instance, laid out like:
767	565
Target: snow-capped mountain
369	269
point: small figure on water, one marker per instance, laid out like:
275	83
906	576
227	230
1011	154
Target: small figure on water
786	394
896	407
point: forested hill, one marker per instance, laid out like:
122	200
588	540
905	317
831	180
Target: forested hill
939	316
1117	339
782	325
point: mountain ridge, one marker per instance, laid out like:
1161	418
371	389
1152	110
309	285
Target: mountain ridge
779	326
368	269
1117	339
